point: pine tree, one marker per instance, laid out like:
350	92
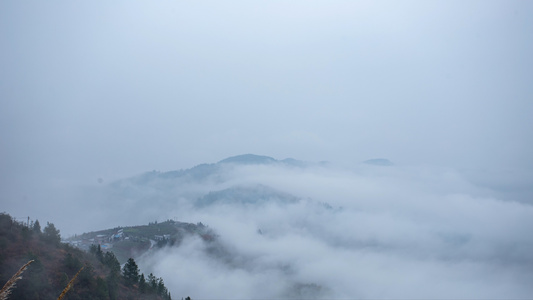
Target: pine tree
152	280
111	261
142	284
100	254
161	289
130	272
36	227
51	234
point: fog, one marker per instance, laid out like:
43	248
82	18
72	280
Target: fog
93	95
368	232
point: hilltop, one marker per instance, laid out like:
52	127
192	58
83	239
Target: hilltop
133	241
204	171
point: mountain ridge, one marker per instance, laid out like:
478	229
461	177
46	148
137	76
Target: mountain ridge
204	171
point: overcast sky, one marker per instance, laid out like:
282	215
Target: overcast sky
110	89
113	88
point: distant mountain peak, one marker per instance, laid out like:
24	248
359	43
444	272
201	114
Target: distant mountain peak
249	159
205	171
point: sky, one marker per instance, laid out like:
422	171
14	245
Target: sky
110	89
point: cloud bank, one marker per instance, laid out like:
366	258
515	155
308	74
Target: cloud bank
368	232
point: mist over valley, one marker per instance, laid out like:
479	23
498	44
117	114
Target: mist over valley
295	229
302	149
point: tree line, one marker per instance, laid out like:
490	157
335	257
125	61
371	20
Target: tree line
130	274
98	274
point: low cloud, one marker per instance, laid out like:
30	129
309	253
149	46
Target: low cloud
369	232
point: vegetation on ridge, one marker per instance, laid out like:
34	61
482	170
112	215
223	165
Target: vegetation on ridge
99	275
133	241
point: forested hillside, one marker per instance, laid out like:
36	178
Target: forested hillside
55	264
134	241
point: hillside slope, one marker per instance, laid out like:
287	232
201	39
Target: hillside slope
55	263
134	241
